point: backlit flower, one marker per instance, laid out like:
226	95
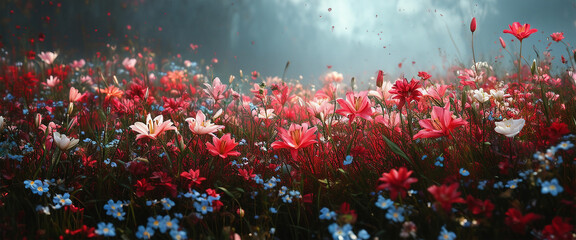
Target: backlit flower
152	128
129	63
64	142
355	105
297	137
52	81
557	36
200	125
223	147
406	91
552	187
111	91
446	195
333	77
520	31
75	95
216	90
397	182
510	127
48	57
441	123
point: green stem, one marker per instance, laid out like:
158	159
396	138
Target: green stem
520	63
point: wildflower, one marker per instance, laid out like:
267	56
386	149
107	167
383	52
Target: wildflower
557	36
446	195
510	127
464	172
333	77
395	214
355	105
2	123
154	223
144	232
48	57
446	235
31	184
363	234
52	81
408	230
565	145
478	207
520	31
380	79
297	137
129	63
348	160
75	96
62	200
167	223
424	76
111	91
152	128
193	176
502	43
480	95
559	229
498	95
106	229
177	235
473	25
200	125
63	142
517	222
167	203
397	181
441	123
203	207
552	187
340	232
326	214
216	90
287	199
40	187
406	91
223	146
384	203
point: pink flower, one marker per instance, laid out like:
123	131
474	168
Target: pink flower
502	43
216	90
440	123
200	125
75	95
52	81
78	64
152	128
406	91
557	36
397	182
297	137
223	146
355	105
129	63
48	57
193	176
520	31
333	77
446	195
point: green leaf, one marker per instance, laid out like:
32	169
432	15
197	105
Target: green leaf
397	150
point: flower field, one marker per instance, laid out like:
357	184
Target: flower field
125	145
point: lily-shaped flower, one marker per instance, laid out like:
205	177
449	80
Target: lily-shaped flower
355	105
446	195
63	142
200	125
48	57
111	91
440	123
406	91
297	137
510	127
152	128
397	182
75	95
520	31
216	90
129	63
52	81
223	147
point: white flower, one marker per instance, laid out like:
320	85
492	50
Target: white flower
498	95
129	63
510	127
480	95
63	142
2	123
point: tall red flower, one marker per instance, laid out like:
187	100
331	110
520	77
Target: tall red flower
517	222
397	182
297	137
355	105
406	91
559	229
520	31
193	176
446	195
223	147
473	25
440	123
557	36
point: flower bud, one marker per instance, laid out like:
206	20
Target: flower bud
380	79
502	43
473	25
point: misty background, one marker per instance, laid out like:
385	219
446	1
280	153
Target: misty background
356	38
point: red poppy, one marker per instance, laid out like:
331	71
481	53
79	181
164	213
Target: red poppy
397	182
520	31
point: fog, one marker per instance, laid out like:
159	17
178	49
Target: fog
356	38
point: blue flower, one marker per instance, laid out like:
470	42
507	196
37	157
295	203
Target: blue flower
203	207
482	184
106	229
177	235
40	187
565	145
446	235
339	232
552	187
168	223
144	232
348	160
287	199
363	234
154	223
384	203
395	214
30	184
115	209
167	203
464	172
273	210
513	184
62	200
326	214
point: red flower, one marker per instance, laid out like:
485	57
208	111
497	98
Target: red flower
142	187
397	182
440	123
520	31
355	105
193	176
502	43
380	79
557	36
473	25
246	174
446	195
517	222
558	229
479	207
223	146
297	136
406	91
424	76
